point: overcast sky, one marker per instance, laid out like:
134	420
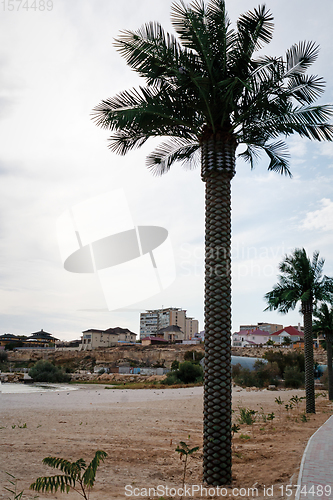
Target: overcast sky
55	66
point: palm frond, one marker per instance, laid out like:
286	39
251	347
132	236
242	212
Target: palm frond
255	29
169	152
279	117
306	89
323	319
281	298
279	157
251	154
155	110
155	54
300	56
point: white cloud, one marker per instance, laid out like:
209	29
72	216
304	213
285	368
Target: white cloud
321	219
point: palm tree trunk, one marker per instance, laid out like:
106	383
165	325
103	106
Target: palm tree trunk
308	355
217	171
329	366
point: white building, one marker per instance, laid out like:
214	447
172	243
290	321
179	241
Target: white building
288	332
153	320
92	339
245	338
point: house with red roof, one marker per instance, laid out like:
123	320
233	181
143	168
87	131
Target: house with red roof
248	338
288	332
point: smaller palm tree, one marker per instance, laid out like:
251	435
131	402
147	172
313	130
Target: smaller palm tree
302	281
323	323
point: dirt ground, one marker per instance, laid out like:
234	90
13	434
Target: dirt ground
140	431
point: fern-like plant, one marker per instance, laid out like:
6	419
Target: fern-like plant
76	475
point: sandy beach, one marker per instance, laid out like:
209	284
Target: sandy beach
140	429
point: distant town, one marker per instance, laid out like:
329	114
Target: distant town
157	327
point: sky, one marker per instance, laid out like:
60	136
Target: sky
57	62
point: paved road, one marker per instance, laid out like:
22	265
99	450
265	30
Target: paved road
315	478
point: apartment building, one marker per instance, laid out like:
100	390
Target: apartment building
153	320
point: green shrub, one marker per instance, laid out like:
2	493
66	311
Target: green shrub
171	378
244	377
189	372
246	416
44	371
264	374
293	377
284	360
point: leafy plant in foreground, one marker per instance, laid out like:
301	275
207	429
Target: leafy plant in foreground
184	450
76	475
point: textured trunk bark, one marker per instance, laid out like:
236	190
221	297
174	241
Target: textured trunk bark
329	366
218	159
307	309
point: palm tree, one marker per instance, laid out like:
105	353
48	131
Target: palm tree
323	323
207	93
302	281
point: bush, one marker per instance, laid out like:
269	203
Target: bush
3	356
245	377
264	374
44	371
189	372
284	360
293	377
171	378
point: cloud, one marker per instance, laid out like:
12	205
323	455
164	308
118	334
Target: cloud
321	219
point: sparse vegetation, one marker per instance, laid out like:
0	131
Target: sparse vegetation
76	475
187	373
293	377
263	375
246	416
45	371
185	451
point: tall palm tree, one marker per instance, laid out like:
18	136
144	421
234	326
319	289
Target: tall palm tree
207	92
302	281
323	323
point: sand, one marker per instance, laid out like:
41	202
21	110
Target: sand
140	429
